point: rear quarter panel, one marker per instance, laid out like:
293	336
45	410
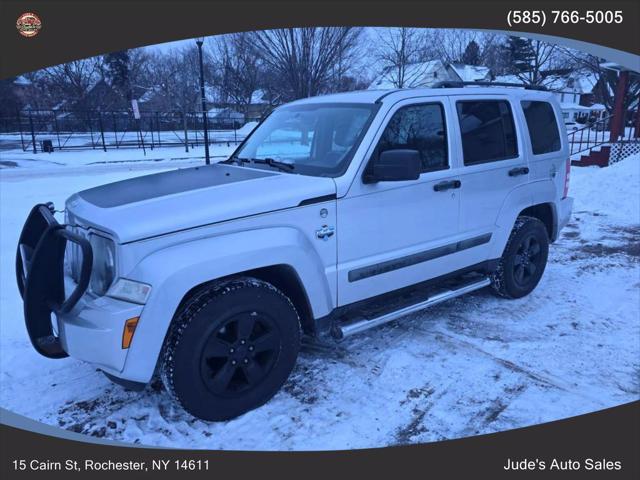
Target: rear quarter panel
546	172
549	168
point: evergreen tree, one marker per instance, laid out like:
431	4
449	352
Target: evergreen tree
471	55
117	72
520	55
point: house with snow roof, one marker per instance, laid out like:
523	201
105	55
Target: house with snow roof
576	91
414	75
468	73
225	118
261	102
427	74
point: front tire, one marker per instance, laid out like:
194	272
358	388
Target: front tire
524	259
231	348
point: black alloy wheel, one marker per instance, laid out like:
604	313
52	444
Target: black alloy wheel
524	259
527	260
240	354
230	348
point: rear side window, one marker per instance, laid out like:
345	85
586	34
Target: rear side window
419	127
488	132
542	125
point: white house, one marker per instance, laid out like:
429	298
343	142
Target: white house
421	74
427	74
574	90
226	117
469	73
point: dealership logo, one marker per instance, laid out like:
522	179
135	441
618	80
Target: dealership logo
28	24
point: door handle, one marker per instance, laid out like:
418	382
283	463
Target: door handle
442	186
514	172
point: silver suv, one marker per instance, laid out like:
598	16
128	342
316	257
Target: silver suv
337	214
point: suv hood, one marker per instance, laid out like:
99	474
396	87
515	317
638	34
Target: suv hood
166	202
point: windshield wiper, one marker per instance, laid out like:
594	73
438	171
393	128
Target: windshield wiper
282	166
235	160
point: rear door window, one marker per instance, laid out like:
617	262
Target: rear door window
422	128
542	126
488	131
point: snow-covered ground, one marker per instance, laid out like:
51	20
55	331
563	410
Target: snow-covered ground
126	141
12	155
10	159
473	365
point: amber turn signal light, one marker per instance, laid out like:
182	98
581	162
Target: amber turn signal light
129	329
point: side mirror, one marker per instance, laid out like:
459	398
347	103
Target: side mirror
394	166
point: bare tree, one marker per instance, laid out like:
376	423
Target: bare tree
38	93
397	50
72	81
302	60
239	70
140	69
605	80
10	102
492	54
175	80
449	45
348	71
542	59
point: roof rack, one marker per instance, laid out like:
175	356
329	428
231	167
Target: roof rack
454	84
385	94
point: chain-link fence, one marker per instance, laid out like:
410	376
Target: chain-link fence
51	130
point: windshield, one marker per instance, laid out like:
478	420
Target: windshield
315	139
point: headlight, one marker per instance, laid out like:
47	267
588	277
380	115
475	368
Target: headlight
130	291
104	264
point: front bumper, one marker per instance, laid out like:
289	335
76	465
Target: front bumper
61	319
92	331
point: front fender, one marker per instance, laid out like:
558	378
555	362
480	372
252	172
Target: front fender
174	271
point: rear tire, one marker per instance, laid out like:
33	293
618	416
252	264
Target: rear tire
524	259
230	348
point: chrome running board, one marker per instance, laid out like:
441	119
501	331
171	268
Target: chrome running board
343	331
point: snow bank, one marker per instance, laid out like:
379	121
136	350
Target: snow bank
612	191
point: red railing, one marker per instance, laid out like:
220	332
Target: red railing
597	134
590	136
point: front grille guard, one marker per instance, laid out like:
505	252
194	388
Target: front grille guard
40	276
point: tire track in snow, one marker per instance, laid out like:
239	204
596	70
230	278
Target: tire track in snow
546	380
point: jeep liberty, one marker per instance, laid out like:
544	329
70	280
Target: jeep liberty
335	215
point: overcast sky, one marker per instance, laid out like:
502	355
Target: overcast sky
368	67
165	47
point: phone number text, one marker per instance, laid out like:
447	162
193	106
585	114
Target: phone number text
541	17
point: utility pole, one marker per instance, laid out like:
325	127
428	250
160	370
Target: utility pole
205	124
